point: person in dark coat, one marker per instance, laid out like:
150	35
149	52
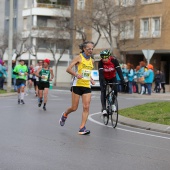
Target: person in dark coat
162	81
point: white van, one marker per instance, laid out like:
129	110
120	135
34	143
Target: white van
95	77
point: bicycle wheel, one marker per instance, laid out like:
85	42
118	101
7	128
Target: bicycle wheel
114	113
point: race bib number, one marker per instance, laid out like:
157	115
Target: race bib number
45	77
21	75
86	74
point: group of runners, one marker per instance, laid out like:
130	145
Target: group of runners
81	85
41	75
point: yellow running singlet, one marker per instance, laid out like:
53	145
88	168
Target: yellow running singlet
84	68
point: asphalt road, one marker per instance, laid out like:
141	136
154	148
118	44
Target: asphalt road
32	139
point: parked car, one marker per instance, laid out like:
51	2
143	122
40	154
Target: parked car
95	77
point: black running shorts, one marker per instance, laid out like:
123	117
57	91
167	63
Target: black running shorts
20	82
43	85
81	90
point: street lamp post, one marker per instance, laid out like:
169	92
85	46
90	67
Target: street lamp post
10	46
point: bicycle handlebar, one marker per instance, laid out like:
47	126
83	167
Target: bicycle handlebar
114	83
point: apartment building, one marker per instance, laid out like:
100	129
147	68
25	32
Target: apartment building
40	26
148	29
4	19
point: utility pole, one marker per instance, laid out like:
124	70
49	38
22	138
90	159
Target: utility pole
31	6
10	46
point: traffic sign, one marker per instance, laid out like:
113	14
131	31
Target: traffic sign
148	54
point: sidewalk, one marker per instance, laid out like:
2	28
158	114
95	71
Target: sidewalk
143	124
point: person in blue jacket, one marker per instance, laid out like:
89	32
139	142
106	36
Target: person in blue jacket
149	77
142	70
3	74
125	73
130	77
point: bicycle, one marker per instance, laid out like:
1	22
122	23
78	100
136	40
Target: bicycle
111	105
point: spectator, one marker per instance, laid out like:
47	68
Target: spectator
138	85
162	81
141	76
157	81
14	76
3	74
125	72
130	76
149	77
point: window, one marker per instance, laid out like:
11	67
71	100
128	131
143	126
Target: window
126	3
80	4
130	29
144	28
156	27
146	25
150	1
156	24
25	23
127	30
122	30
150	27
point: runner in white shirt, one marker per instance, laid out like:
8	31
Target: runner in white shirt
40	64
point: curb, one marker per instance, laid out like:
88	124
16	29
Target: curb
144	125
8	94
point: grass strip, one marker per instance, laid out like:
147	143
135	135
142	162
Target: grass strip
156	112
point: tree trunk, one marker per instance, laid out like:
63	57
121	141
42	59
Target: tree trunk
55	73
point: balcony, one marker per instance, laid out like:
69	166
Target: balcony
43	5
42	9
46	32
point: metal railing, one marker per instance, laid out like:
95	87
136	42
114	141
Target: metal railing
43	5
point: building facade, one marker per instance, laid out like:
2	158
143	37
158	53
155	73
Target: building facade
148	30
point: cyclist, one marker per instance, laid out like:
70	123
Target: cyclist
108	66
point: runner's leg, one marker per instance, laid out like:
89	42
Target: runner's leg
74	106
86	98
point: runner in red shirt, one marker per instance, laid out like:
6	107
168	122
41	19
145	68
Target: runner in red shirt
108	65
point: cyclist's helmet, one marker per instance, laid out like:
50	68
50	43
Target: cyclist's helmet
105	53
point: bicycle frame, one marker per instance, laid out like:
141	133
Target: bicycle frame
111	100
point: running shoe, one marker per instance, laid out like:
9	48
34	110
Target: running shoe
84	131
62	120
39	104
22	102
18	101
44	108
104	112
114	108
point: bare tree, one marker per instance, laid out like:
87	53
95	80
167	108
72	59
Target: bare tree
3	44
19	45
57	43
106	17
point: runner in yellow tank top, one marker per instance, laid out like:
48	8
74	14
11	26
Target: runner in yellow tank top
84	68
81	85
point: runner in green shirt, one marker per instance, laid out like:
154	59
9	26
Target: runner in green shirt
21	72
45	75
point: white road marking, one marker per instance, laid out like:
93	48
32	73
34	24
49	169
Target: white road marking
131	131
168	128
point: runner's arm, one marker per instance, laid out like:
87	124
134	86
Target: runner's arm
52	74
69	69
38	71
101	74
118	69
